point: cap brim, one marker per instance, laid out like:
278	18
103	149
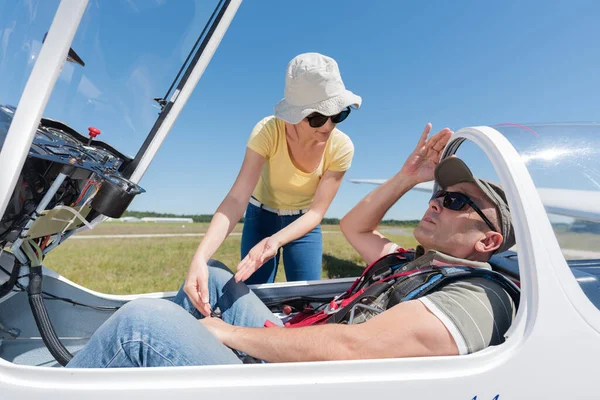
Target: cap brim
452	171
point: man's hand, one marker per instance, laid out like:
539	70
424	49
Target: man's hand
260	254
220	329
196	286
421	163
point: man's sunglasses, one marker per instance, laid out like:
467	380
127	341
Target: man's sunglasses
457	201
316	120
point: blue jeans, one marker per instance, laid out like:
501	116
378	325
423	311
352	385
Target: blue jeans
159	333
302	258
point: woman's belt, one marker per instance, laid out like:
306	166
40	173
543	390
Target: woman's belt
277	211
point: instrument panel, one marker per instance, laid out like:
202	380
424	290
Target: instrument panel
90	179
57	142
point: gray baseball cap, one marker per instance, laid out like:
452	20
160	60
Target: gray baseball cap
453	170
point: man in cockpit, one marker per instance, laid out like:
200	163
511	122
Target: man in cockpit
466	222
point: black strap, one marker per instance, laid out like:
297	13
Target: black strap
383	267
424	282
374	290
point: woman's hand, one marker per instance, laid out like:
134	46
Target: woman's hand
423	160
260	254
229	212
196	286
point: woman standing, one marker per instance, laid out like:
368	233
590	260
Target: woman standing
292	170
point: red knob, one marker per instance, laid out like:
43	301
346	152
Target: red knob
93	132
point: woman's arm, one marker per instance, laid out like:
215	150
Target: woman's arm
226	217
326	191
267	248
233	205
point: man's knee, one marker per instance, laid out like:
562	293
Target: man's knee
140	311
216	264
218	277
218	274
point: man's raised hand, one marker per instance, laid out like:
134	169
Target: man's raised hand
421	163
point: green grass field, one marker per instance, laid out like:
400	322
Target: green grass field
579	240
141	265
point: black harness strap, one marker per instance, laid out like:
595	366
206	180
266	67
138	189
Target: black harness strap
419	284
395	278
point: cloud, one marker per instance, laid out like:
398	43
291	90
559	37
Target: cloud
31	8
88	89
4	38
133	6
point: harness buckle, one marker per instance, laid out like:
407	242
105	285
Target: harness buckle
332	307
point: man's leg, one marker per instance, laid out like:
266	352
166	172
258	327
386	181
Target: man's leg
238	305
152	333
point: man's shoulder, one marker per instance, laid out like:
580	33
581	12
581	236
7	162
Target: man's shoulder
478	309
480	286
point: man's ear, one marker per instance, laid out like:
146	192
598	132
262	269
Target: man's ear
489	243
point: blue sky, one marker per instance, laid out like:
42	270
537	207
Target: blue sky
453	64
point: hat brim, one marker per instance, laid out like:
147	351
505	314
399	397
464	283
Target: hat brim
332	106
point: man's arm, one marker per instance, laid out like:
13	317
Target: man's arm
360	224
406	330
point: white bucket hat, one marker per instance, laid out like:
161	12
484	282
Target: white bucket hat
313	84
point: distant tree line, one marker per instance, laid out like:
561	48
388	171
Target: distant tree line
142	214
405	223
208	217
581	225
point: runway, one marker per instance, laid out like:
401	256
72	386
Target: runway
157	235
568	253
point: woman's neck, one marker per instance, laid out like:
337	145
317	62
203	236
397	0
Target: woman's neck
302	139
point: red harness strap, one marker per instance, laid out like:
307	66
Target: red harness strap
308	317
398	287
400	253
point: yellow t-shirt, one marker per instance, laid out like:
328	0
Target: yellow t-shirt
281	184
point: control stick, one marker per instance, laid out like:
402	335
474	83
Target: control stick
92	134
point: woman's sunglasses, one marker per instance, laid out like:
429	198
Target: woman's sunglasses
456	201
316	120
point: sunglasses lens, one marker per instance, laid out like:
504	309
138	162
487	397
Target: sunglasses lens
336	119
317	120
438	194
454	201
